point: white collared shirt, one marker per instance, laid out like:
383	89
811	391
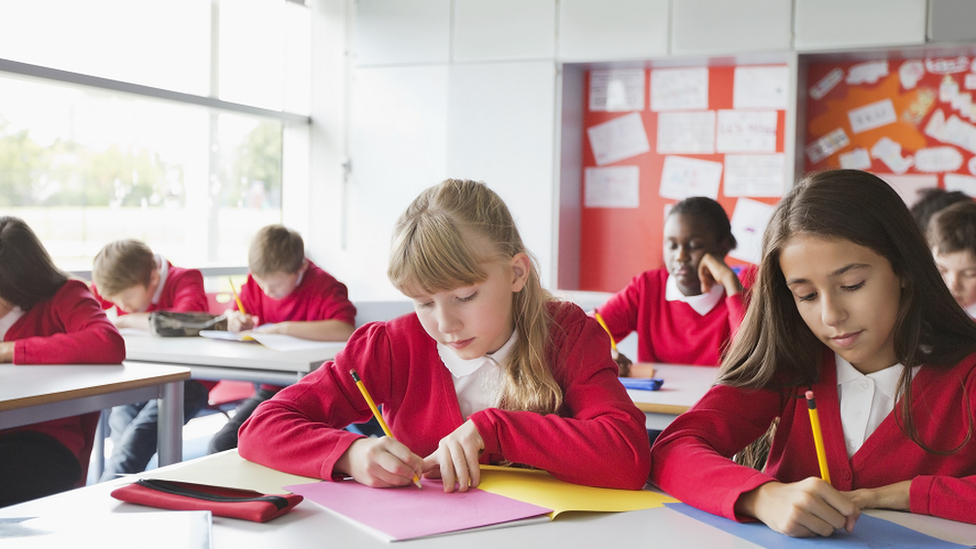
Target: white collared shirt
477	382
971	310
163	274
701	303
865	400
8	320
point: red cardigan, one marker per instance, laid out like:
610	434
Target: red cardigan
597	439
68	328
319	296
183	291
671	331
691	457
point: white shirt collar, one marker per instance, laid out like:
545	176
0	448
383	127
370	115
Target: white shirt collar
971	310
163	274
702	303
885	380
460	367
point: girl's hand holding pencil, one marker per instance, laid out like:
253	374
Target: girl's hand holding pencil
381	463
811	507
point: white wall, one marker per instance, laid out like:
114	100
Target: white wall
413	91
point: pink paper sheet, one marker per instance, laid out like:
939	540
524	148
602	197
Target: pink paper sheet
409	512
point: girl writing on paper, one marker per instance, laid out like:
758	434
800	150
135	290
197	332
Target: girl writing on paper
490	369
847	302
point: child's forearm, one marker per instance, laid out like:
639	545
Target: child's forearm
138	321
317	330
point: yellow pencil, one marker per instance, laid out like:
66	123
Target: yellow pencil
817	436
613	344
240	306
376	413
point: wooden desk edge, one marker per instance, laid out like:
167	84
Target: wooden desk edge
654	408
84	392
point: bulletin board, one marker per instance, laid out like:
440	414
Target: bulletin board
655	136
910	121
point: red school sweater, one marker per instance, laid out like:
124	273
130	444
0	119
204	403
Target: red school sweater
672	332
182	291
597	438
692	456
68	328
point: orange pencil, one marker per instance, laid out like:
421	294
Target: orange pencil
817	436
240	306
376	413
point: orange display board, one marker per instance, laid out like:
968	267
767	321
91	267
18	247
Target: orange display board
618	243
910	121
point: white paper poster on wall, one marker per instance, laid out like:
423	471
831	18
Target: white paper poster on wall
867	73
746	131
679	89
749	220
683	177
619	138
858	159
909	185
611	187
938	159
827	83
686	132
871	116
760	88
961	183
617	90
754	174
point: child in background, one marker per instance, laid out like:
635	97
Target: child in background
285	293
686	312
137	282
847	302
47	318
932	200
952	236
490	369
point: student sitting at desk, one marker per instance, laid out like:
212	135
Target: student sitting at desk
849	304
285	293
137	282
490	369
686	312
952	237
47	318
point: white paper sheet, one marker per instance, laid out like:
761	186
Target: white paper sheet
935	127
617	90
910	72
754	174
867	73
871	116
278	342
889	151
827	145
686	132
938	159
611	187
972	165
746	131
749	220
970	81
683	177
959	132
827	83
619	138
761	87
125	530
858	159
909	185
679	89
947	65
962	183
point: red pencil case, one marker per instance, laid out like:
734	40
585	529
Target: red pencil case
224	502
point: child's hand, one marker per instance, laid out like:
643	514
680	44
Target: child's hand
238	321
893	496
623	363
456	459
802	509
272	328
380	462
713	270
7	351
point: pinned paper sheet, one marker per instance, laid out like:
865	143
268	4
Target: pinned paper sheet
617	90
827	145
749	220
970	81
686	132
910	72
867	73
938	159
754	174
908	186
619	138
679	89
760	87
889	152
542	489
972	165
959	101
683	177
960	133
611	187
871	116
827	83
947	65
746	131
962	183
858	159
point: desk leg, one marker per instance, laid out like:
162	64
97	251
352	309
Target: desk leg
97	464
170	432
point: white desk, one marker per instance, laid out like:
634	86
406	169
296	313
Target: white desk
35	393
214	359
683	386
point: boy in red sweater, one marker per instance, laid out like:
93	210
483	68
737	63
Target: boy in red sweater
285	293
130	277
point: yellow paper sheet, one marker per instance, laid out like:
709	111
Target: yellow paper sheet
540	488
229	470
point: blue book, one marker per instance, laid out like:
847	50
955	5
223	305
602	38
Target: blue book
641	383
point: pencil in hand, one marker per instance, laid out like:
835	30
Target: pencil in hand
240	305
377	414
817	436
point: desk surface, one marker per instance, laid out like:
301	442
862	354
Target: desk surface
683	386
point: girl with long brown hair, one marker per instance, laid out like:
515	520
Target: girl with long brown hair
848	303
490	369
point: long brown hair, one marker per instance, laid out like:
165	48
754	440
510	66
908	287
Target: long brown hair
433	251
27	272
775	349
